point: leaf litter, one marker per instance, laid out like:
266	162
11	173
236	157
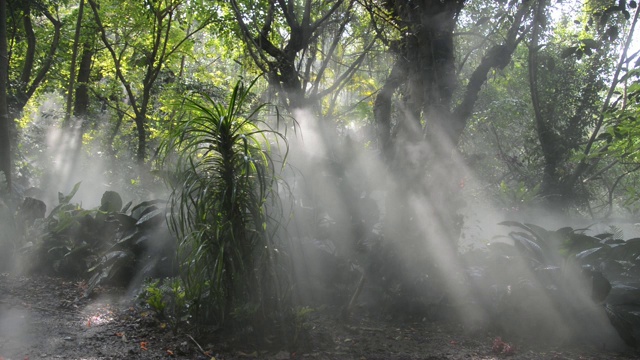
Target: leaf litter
49	318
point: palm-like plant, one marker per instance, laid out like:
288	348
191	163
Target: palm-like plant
223	180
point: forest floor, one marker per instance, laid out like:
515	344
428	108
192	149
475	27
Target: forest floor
48	318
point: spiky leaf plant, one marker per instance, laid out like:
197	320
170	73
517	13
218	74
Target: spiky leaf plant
223	181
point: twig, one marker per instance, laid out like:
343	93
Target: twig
352	302
198	345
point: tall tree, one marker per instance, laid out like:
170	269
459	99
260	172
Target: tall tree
425	65
146	40
562	110
419	139
5	143
72	66
295	45
30	64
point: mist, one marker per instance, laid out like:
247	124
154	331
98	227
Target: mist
411	240
431	231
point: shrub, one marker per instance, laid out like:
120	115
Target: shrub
224	183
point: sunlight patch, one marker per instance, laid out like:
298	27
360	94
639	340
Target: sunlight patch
99	315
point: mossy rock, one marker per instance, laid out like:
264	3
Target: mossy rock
111	202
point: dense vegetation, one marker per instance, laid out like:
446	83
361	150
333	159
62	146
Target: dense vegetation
371	140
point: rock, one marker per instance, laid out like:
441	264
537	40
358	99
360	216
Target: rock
110	202
30	210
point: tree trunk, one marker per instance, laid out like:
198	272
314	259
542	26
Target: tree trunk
81	103
429	127
551	189
5	143
141	154
383	105
72	69
29	82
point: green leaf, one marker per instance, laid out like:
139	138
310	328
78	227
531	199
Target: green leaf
568	52
143	207
590	43
151	218
590	255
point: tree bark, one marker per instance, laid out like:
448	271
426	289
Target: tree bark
28	82
281	62
81	102
5	143
430	73
72	69
383	105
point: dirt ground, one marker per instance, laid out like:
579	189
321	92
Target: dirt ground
47	318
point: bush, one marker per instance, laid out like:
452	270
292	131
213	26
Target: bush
233	264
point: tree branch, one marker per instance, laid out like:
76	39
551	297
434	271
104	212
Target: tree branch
48	60
497	57
582	165
107	44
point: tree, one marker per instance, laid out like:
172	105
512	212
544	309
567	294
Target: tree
74	57
613	147
136	51
5	143
419	138
425	65
296	44
29	71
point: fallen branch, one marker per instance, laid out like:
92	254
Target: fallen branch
198	345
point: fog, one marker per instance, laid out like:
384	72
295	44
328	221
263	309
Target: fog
395	226
416	234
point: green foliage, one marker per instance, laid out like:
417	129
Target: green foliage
519	195
223	182
154	297
167	297
111	202
64	239
568	265
141	245
301	315
106	244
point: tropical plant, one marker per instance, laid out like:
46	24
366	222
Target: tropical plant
140	246
168	299
61	241
568	266
107	244
223	183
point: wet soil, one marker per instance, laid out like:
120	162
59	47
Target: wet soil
48	318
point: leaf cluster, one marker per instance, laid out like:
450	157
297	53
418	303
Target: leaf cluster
107	244
223	179
567	262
